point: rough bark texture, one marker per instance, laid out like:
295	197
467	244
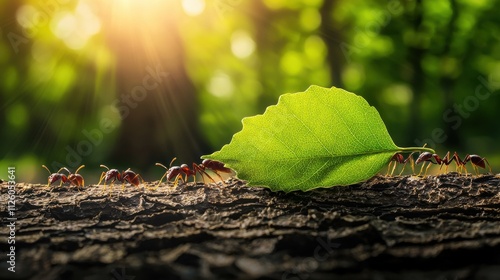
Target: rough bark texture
436	227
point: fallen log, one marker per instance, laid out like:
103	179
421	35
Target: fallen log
403	227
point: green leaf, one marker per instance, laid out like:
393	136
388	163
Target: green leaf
318	138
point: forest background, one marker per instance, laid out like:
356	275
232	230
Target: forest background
129	83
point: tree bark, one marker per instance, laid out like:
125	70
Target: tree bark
435	227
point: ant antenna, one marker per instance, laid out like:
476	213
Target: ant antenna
159	164
170	165
64	168
81	166
46	168
102	165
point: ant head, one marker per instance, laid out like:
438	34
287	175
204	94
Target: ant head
423	157
173	171
56	176
397	157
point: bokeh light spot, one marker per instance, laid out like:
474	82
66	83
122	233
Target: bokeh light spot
353	76
310	19
193	7
75	29
315	49
220	85
291	63
398	95
242	44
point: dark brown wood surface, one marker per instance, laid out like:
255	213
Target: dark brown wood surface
433	227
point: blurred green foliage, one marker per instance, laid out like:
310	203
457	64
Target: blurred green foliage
431	68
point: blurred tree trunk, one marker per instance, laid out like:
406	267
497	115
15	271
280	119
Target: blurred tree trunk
446	80
265	40
164	124
416	52
333	40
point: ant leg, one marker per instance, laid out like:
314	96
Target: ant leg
199	169
400	172
446	168
222	179
112	184
105	188
489	166
202	172
102	177
445	161
475	168
465	168
388	168
409	158
393	168
161	179
412	163
176	181
421	169
138	176
428	165
100	180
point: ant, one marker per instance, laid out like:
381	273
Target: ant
475	161
127	175
75	179
177	171
398	158
215	166
54	177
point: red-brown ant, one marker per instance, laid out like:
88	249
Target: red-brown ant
427	157
54	177
475	161
132	177
175	172
398	158
178	171
113	175
75	179
215	166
